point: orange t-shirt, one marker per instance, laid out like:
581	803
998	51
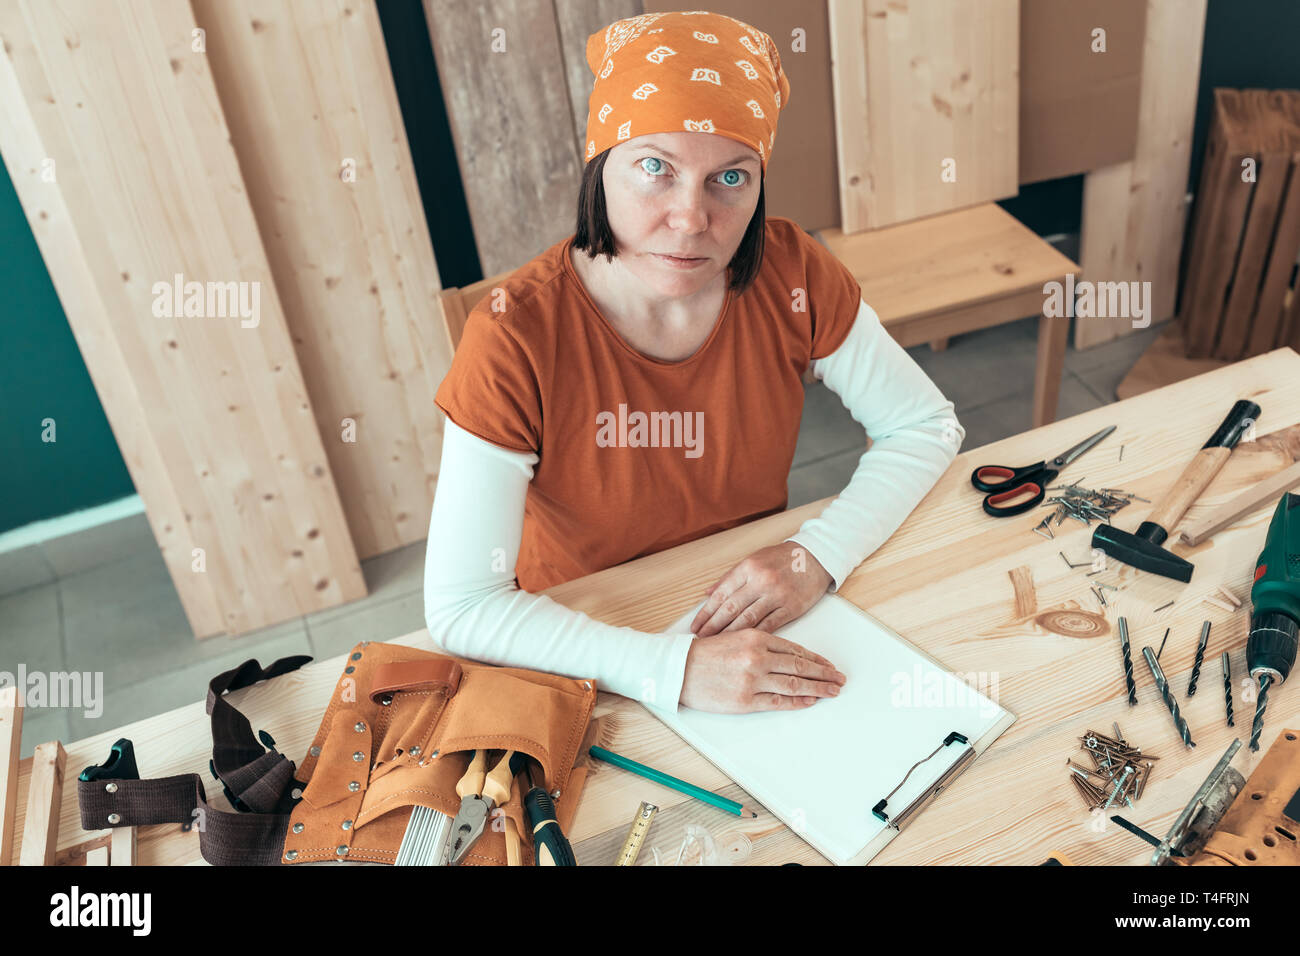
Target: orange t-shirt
636	455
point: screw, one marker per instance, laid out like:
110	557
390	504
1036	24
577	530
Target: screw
1120	783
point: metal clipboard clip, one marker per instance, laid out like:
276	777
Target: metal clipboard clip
900	819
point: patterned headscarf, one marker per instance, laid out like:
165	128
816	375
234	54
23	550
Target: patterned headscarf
684	72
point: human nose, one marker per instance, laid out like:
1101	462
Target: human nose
688	213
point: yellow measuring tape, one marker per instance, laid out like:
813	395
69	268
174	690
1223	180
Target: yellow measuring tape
636	834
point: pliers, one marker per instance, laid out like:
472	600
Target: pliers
479	795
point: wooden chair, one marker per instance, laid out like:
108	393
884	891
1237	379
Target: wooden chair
456	304
957	272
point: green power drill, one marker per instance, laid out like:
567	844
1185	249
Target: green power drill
1275	622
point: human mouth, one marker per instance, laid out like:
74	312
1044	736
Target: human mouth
680	262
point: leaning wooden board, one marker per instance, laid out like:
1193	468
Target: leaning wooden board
926	106
502	72
981	595
313	115
113	133
1134	213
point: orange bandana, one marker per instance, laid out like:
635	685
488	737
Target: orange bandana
694	72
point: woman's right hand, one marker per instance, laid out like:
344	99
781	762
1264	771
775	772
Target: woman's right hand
739	672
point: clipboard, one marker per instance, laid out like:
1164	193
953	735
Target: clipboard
849	773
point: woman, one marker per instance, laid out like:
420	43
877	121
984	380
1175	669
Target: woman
638	385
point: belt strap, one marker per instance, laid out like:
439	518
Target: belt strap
258	781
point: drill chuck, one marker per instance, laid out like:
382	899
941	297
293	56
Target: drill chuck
1271	646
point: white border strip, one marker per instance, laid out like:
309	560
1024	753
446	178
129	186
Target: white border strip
49	528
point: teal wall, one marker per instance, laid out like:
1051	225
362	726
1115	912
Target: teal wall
42	375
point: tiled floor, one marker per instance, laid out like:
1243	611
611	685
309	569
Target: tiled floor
103	602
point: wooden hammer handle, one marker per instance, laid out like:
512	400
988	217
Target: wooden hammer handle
1202	469
1194	479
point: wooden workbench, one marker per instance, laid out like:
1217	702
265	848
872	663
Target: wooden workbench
980	594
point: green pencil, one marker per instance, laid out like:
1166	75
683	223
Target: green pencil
668	780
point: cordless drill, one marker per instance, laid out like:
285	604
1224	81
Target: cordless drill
1275	596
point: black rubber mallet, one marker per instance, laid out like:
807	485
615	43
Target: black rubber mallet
1142	549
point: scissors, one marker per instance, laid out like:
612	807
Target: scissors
1005	484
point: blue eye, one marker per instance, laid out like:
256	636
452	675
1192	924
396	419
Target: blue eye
658	167
733	172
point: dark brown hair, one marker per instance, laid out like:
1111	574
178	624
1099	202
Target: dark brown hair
594	237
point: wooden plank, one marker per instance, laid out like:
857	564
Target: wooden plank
1266	329
940	77
1134	213
802	182
97	856
1273	170
1221	201
11	741
512	123
576	20
1254	134
44	799
1078	105
1222	237
313	116
211	412
123	846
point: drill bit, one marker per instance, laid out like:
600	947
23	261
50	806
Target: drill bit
1258	726
1128	663
1227	685
1200	656
1162	643
1163	686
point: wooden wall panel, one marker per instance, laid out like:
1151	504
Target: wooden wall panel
917	84
1134	213
576	20
503	80
802	181
309	98
212	417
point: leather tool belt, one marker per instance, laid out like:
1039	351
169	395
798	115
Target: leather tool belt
400	730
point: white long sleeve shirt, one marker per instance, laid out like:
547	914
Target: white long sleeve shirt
474	609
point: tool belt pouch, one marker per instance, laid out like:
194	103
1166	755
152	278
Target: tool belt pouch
400	730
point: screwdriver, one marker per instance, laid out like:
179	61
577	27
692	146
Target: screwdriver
550	847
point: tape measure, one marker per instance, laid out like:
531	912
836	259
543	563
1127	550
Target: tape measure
636	834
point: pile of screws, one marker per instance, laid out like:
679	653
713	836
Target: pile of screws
1119	771
1083	504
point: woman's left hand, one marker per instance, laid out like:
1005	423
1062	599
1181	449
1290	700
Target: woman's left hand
770	588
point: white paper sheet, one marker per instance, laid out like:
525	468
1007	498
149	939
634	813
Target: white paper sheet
820	770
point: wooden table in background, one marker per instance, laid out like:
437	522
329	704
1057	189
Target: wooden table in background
980	594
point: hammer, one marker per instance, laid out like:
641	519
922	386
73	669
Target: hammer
1141	549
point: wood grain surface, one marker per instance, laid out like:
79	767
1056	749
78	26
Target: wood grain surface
918	86
1134	213
211	414
313	116
503	76
984	596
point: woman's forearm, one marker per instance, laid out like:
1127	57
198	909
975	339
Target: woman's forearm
914	433
474	609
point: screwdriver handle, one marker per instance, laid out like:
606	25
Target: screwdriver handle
550	846
497	785
472	781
